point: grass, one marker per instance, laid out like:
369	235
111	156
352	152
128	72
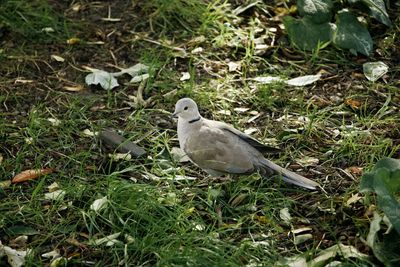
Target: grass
159	218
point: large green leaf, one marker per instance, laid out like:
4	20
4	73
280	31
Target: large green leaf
384	245
384	180
318	11
377	10
306	35
351	34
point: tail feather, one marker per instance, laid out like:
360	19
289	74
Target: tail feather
291	177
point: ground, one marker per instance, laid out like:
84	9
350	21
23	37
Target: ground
331	131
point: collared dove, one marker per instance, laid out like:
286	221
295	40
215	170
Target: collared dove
218	148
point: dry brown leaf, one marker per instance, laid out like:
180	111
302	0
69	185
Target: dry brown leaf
30	175
355	170
353	103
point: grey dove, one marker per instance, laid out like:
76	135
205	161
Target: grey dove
218	148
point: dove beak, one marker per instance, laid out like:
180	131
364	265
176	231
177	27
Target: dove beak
174	115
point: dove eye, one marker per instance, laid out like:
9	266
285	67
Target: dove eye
185	108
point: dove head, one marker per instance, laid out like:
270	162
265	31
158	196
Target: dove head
186	109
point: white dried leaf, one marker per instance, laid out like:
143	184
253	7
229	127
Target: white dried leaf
56	195
233	66
88	132
184	178
307	161
133	71
303	80
139	78
185	76
99	204
48	29
295	261
250	131
374	228
54	122
106	80
197	50
268	79
339	249
53	187
301	230
51	254
224	112
199	227
353	199
57	58
374	70
285	215
16	258
298	239
120	156
109	240
241	110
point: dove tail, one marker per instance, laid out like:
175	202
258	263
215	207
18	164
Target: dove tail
291	177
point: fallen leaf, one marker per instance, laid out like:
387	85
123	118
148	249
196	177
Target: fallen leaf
57	58
73	40
197	50
267	79
54	122
30	174
5	184
19	242
56	195
106	80
285	215
139	78
298	239
355	170
374	70
110	240
353	199
76	88
16	258
185	76
241	110
99	204
52	254
303	80
233	66
133	71
48	29
307	161
88	132
53	187
120	156
353	103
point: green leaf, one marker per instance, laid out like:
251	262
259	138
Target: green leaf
20	230
377	10
306	35
351	34
384	180
318	11
385	246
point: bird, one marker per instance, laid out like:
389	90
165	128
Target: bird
220	149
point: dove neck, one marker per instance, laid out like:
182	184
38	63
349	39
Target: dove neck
194	120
